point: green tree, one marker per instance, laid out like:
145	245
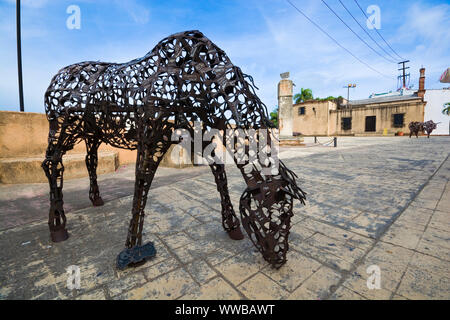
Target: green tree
304	95
274	116
446	109
329	98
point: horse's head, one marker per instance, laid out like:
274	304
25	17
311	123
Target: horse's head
430	125
266	206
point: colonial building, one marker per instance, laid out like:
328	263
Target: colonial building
381	114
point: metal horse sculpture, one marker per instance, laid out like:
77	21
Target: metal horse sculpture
415	127
138	105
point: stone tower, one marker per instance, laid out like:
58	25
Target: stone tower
285	117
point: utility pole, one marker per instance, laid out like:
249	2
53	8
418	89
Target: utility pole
404	75
348	91
19	56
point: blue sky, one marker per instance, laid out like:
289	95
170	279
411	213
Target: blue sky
263	37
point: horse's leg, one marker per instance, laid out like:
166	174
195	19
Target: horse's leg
92	145
59	141
149	155
230	221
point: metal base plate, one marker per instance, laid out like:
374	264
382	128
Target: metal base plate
131	256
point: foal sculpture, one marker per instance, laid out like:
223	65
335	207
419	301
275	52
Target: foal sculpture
427	127
138	105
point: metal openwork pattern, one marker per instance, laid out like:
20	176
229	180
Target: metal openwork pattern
138	105
427	127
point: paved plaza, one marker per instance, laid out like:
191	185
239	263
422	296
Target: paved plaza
372	201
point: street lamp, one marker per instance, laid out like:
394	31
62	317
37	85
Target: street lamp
350	85
19	56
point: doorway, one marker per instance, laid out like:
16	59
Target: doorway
371	123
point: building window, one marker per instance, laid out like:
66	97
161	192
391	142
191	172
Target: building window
301	111
399	120
347	123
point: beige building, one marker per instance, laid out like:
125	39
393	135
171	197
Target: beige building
384	114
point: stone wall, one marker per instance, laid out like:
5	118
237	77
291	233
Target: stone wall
23	142
25	134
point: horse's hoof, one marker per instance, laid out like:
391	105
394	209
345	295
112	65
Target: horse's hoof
59	235
135	256
236	234
97	202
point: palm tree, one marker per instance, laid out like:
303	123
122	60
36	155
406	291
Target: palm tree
274	116
446	109
304	95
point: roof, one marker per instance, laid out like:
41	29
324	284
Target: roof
384	99
312	101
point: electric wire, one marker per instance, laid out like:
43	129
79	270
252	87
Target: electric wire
364	29
364	41
378	32
335	41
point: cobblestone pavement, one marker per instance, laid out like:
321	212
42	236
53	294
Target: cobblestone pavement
371	201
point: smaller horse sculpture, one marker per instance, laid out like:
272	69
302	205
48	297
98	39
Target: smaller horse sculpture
427	127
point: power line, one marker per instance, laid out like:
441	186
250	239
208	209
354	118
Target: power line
335	41
364	29
334	12
364	13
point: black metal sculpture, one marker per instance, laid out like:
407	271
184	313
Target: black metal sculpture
138	105
414	128
427	127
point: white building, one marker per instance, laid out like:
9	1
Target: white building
435	99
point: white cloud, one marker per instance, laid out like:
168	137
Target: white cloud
138	12
425	30
429	23
30	3
291	43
